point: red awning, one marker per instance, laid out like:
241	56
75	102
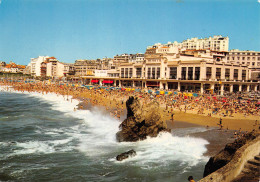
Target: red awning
156	84
108	81
94	81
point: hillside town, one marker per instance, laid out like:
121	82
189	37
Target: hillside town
196	65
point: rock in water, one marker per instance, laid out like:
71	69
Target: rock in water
141	121
125	155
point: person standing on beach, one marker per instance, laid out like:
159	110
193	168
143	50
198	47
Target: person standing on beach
172	116
220	123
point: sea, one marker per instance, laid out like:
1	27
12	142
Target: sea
42	138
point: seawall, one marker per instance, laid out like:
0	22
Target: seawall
230	171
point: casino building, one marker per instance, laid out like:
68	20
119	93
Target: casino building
203	68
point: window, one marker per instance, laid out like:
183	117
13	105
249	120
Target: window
248	58
253	58
197	73
158	72
227	58
173	73
190	73
235	74
183	73
138	72
149	73
253	63
218	73
153	73
208	72
243	58
243	74
122	72
126	72
227	73
238	58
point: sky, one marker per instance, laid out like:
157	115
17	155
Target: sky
91	29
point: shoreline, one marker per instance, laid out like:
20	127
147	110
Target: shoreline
115	105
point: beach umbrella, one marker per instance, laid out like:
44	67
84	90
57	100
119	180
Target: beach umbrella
150	91
157	92
162	92
190	94
196	95
175	93
166	93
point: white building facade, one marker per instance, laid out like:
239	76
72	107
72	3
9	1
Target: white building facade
35	65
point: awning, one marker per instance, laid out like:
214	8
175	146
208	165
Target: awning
108	81
156	84
94	81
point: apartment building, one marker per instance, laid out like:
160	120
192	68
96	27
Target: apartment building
215	43
118	59
248	58
85	67
35	65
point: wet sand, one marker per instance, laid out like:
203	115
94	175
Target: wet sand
217	138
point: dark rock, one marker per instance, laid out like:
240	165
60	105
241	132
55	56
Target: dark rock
226	155
141	121
125	155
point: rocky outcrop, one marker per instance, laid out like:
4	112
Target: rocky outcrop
141	121
225	155
125	155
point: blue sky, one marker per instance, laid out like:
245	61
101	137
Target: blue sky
91	29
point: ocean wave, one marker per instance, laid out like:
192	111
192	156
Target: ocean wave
96	137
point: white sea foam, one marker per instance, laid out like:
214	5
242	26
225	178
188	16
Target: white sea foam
96	137
33	147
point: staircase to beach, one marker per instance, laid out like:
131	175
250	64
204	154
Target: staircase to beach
251	171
